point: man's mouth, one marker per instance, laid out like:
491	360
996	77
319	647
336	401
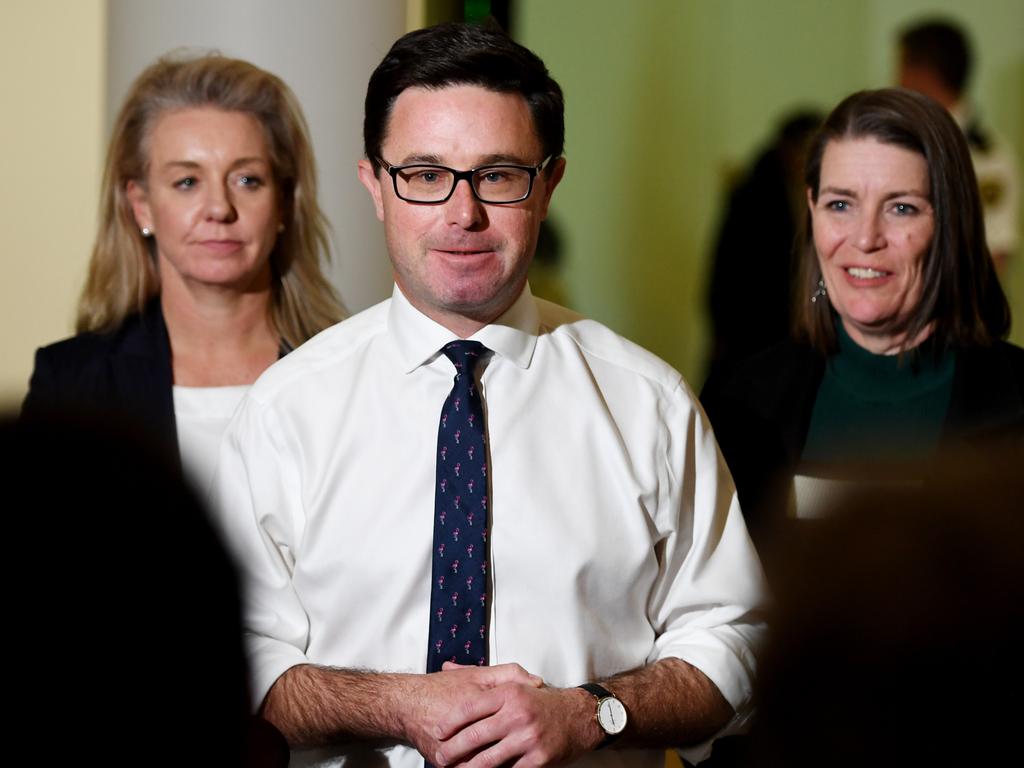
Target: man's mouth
465	251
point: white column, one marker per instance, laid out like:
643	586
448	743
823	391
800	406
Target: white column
325	50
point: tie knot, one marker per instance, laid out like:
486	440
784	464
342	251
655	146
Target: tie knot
464	354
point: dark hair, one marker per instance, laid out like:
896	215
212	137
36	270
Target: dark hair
960	291
940	47
463	54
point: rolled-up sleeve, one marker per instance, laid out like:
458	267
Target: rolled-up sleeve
256	497
707	605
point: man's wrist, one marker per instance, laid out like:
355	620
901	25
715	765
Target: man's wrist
608	713
589	735
403	693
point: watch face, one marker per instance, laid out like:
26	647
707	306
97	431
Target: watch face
611	715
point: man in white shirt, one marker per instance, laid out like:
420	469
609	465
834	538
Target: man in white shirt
614	551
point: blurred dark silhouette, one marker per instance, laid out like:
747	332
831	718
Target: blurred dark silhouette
546	280
896	627
754	265
128	605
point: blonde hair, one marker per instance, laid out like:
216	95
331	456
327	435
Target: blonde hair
123	274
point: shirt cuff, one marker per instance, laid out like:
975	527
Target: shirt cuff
268	660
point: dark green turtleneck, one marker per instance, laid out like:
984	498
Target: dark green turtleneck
879	407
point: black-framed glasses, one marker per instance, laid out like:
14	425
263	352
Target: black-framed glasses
423	183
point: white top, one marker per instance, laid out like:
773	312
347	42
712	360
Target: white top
616	537
201	415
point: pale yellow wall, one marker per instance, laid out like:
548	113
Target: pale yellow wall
51	75
664	96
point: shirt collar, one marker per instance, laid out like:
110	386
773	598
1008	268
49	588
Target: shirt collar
419	339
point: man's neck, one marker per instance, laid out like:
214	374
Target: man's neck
463	323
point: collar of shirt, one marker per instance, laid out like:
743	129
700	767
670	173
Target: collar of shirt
418	339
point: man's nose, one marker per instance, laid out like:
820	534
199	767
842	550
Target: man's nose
462	208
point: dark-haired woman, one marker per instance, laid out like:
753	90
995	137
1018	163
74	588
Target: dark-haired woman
900	350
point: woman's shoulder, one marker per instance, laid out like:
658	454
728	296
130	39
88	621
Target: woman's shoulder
87	367
78	349
1013	355
988	391
767	376
138	333
1002	360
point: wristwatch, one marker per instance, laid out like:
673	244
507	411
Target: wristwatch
611	713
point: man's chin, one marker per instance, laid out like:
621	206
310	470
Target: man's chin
478	303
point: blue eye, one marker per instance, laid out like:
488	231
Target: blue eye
838	205
186	183
905	209
248	180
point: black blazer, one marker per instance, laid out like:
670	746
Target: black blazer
761	408
124	374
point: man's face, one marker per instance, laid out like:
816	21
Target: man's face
461	262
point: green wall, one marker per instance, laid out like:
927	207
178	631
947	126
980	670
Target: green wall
666	98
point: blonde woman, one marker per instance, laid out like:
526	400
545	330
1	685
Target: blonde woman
207	264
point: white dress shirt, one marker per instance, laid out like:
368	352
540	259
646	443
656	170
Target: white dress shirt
616	537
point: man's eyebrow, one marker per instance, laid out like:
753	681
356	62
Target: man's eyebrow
502	158
417	159
497	158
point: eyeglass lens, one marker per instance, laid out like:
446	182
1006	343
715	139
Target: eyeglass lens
428	184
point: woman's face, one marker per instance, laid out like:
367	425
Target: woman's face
210	199
873	224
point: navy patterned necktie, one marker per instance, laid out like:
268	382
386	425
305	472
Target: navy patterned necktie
458	596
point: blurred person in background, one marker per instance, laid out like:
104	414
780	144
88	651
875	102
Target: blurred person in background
900	347
754	262
896	627
102	595
935	59
207	263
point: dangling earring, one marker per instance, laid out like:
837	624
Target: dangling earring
820	292
147	232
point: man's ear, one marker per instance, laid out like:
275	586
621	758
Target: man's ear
372	184
550	180
138	198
